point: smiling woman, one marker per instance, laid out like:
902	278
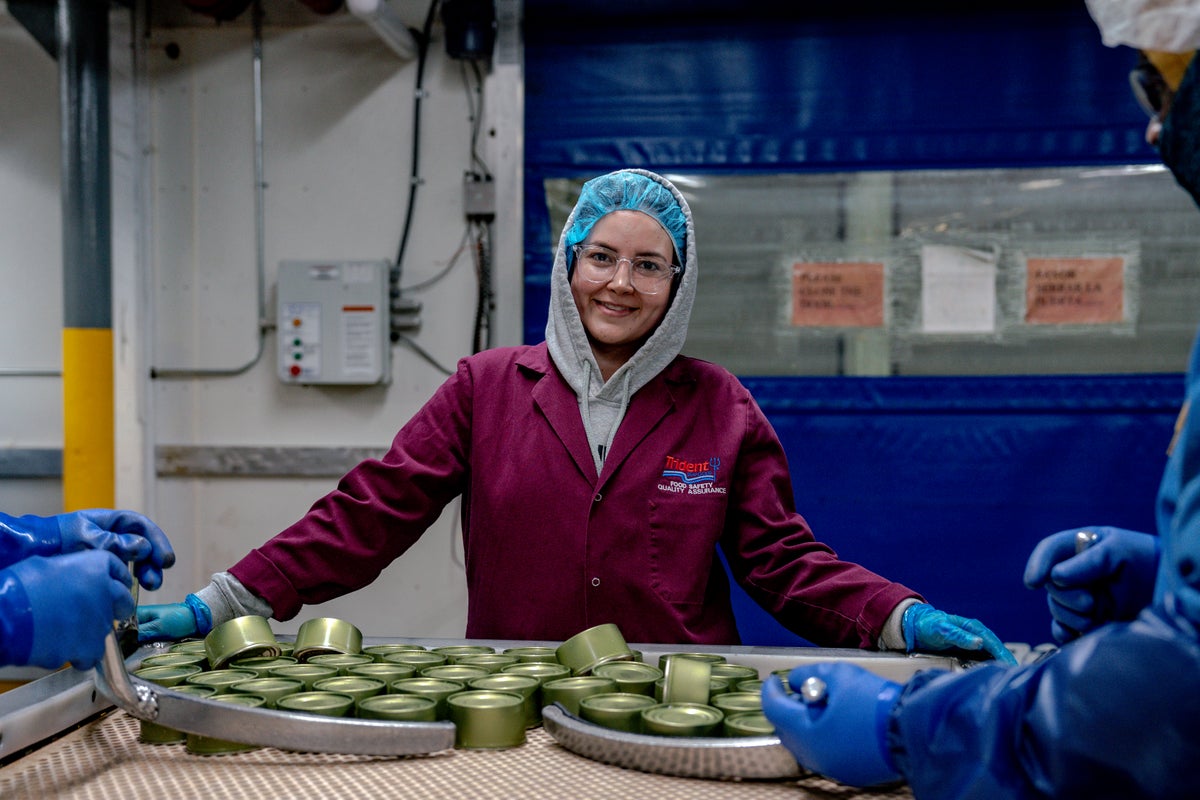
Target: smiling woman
617	315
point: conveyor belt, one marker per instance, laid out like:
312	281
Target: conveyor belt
104	760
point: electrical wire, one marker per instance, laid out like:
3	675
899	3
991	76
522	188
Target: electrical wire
423	353
485	299
415	175
475	116
425	284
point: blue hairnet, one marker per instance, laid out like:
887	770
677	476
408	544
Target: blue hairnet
632	191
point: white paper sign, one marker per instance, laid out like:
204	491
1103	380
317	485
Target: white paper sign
958	290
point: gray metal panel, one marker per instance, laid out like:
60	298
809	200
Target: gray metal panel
296	462
86	176
30	462
46	707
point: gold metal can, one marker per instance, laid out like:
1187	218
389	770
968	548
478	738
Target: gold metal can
221	679
737	702
711	658
681	719
686	680
453	652
620	711
378	651
567	692
384	671
529	688
326	635
487	720
357	687
342	662
240	637
189	646
308	674
492	662
454	672
210	746
588	649
540	654
169	676
631	676
261	665
399	708
420	659
541	670
734	672
439	690
325	704
270	689
748	723
175	660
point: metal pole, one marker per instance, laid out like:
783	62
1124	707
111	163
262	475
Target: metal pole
88	440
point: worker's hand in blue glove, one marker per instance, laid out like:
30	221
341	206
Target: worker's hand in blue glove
73	600
1110	581
126	534
842	736
174	621
926	629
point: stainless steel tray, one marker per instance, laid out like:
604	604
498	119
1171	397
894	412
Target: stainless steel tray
748	758
310	733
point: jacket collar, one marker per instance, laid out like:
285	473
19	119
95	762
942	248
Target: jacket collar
647	408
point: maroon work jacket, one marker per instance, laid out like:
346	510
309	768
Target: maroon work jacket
551	548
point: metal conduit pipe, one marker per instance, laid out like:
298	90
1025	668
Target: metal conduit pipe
264	323
89	468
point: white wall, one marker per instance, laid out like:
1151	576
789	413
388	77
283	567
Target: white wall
30	262
337	118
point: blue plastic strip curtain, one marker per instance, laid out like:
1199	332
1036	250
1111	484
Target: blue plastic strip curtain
944	484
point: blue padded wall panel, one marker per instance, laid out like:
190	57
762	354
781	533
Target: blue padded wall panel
892	91
946	484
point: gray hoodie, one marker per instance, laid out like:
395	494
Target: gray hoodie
603	404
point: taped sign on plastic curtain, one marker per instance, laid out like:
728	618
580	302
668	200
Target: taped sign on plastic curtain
848	294
1074	291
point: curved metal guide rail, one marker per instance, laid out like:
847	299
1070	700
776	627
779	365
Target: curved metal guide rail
748	758
308	733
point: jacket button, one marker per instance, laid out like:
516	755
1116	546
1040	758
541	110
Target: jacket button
598	497
595	581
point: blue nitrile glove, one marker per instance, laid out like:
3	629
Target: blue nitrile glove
70	603
843	736
174	621
126	534
1110	581
926	628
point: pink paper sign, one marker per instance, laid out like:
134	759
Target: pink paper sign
1074	291
841	294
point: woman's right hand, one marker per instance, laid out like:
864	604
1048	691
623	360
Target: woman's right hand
173	621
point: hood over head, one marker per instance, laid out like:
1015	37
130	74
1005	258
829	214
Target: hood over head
603	403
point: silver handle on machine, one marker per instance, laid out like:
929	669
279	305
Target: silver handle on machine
309	733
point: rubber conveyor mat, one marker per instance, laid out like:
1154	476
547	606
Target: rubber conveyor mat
104	760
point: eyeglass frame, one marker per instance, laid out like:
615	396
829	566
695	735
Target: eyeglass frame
671	269
1150	89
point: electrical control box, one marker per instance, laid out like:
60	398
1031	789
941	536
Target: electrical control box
334	322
